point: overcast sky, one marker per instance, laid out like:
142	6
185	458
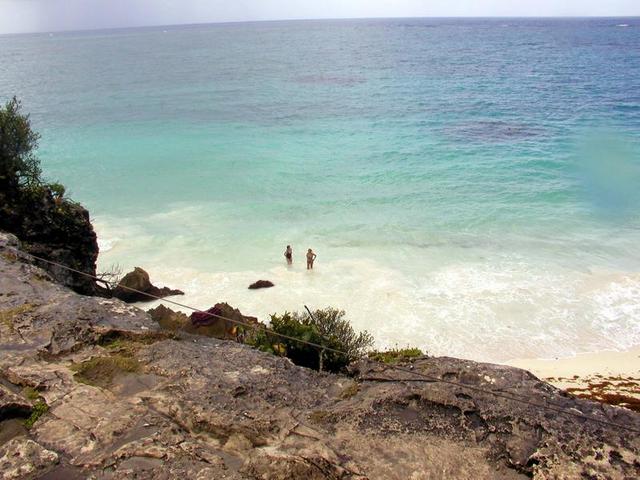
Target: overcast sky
51	15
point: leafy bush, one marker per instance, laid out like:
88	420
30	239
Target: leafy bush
57	190
327	328
19	166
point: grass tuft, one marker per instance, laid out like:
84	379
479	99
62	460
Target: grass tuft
8	316
396	355
12	257
39	409
320	416
350	391
30	393
100	371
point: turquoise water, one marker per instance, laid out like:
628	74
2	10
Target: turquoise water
470	186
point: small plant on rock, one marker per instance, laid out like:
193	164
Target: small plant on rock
39	409
396	355
110	277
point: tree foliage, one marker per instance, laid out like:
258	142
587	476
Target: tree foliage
19	167
327	328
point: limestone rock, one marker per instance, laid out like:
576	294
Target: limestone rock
261	284
169	319
211	323
139	280
22	459
214	323
8	240
12	405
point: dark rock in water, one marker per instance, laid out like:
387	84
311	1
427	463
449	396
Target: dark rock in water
139	280
56	230
261	284
168	319
222	321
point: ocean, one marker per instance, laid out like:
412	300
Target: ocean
471	187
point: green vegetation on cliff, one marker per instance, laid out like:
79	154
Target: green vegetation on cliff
326	327
47	224
39	409
19	167
100	371
396	355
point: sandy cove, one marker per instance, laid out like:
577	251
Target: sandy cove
611	377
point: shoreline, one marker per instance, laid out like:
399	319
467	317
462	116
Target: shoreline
523	316
145	392
611	377
606	375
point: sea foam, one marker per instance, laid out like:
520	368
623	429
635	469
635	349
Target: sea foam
479	311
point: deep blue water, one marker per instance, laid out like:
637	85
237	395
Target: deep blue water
464	182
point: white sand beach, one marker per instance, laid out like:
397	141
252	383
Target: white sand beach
612	377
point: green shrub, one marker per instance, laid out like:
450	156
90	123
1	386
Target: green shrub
327	328
57	190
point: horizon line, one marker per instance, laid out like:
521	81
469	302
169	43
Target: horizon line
238	22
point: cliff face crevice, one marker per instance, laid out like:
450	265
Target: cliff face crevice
55	229
127	399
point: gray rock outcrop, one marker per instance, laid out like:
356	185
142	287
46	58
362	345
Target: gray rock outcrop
54	229
127	399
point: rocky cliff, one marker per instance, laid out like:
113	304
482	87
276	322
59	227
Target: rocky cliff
52	228
108	394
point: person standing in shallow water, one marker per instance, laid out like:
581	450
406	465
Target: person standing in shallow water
310	259
288	254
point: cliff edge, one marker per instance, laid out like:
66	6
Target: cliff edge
92	387
57	230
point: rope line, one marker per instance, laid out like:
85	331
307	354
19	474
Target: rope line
551	406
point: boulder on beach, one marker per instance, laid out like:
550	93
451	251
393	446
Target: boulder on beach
261	284
135	284
222	321
169	319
